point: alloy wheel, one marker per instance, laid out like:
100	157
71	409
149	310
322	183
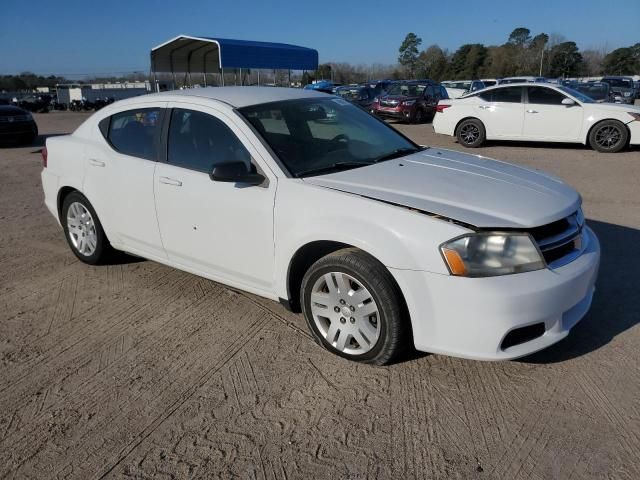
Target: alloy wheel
82	229
608	136
469	133
345	313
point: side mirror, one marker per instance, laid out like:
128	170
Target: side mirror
235	172
568	102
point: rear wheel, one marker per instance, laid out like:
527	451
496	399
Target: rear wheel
353	307
471	133
83	230
419	116
609	136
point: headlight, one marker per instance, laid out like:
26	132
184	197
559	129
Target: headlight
492	253
627	94
408	103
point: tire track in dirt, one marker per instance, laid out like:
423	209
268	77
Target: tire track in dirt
224	358
131	387
82	326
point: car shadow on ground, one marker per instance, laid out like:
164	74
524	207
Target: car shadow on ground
616	303
551	145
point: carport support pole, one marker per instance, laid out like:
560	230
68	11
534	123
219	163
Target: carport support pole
258	77
289	86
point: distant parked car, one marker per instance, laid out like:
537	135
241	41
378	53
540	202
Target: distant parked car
35	103
598	91
321	86
17	125
380	87
489	82
538	112
410	101
524	79
358	95
623	88
458	88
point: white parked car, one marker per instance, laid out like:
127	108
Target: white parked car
458	88
378	241
538	112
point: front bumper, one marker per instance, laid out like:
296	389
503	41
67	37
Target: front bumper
634	130
10	131
393	113
470	317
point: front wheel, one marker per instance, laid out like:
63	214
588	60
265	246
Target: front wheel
83	230
471	133
353	307
609	136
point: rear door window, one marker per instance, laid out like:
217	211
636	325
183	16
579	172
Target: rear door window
506	95
135	132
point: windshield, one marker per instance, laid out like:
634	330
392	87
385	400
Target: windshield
619	82
311	136
596	91
580	96
406	89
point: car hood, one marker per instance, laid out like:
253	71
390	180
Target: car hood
617	108
10	110
399	98
468	188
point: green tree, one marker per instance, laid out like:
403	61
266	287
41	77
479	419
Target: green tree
623	61
520	37
467	61
536	52
565	60
323	72
408	57
432	63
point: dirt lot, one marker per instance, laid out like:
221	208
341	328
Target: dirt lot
138	370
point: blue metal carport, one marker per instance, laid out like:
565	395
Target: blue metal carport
205	55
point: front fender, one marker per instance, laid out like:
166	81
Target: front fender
398	237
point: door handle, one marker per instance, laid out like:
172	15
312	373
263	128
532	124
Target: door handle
96	163
170	181
532	111
483	107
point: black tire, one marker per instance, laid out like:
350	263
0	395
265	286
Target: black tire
419	116
391	319
609	136
471	133
103	250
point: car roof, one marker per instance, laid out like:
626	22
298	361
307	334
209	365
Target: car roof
239	97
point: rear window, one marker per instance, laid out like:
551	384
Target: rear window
135	132
507	95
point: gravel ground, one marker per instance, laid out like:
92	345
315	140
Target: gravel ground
139	370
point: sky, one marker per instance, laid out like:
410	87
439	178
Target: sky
114	36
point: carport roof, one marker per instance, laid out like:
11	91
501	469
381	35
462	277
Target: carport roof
186	53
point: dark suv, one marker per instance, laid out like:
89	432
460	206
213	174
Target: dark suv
410	101
623	88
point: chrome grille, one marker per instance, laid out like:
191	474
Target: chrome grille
15	119
560	242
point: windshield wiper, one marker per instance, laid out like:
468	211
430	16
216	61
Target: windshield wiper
398	152
333	167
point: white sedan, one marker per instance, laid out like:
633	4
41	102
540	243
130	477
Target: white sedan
304	198
538	112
